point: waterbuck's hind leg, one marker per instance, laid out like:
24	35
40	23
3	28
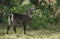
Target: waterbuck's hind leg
8	27
14	28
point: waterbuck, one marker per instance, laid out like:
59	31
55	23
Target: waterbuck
15	18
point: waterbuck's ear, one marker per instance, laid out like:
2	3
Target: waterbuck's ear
29	8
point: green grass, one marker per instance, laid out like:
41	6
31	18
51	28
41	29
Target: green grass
31	34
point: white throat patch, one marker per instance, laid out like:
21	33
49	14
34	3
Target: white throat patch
30	15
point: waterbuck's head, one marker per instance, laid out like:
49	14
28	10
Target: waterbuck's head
30	11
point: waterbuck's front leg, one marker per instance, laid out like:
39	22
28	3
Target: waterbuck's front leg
24	27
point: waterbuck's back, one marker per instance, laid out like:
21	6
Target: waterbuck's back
20	18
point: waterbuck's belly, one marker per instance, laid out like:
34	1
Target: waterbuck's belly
18	20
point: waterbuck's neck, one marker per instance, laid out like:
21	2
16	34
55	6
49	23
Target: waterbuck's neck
30	15
30	12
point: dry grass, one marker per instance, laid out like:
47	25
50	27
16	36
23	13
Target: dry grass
37	34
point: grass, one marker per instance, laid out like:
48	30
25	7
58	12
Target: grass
31	34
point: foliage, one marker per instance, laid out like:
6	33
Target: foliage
35	2
44	15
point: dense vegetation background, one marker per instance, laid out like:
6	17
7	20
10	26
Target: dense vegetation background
46	15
